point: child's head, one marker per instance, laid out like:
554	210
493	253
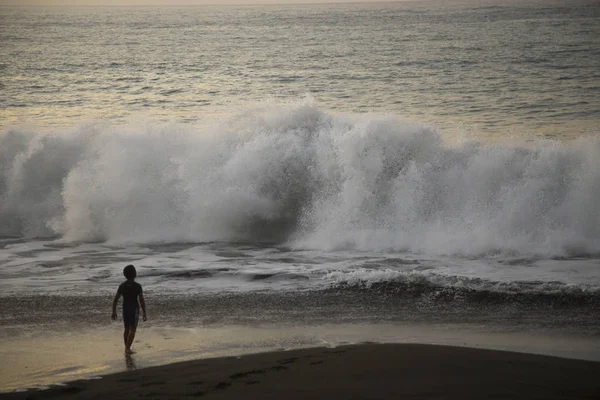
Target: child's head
129	272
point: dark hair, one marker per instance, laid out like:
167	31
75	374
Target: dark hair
129	272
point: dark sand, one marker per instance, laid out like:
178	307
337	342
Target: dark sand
367	371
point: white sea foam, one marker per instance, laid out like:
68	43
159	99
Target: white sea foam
300	175
368	278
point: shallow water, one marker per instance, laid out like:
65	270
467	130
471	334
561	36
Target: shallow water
47	266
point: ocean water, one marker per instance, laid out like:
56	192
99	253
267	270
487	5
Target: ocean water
442	157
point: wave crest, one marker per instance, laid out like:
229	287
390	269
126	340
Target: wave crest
439	288
299	174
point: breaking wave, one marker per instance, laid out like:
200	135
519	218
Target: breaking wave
440	288
299	175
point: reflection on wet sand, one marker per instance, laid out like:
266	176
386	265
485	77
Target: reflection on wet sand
129	362
51	357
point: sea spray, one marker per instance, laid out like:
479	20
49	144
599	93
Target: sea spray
299	175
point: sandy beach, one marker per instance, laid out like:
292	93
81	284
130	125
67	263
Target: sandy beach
42	345
365	371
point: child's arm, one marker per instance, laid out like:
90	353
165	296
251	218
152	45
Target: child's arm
143	305
114	306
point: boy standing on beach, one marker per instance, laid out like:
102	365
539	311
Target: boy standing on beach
130	290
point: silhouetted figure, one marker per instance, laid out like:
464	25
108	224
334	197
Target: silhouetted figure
130	290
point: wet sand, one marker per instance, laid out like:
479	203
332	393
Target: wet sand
365	371
42	357
47	340
43	360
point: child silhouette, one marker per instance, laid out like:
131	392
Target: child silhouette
131	291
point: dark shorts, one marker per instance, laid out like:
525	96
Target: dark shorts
130	317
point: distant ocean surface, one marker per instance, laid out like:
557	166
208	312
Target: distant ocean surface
447	154
496	68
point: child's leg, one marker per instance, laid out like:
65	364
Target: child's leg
131	320
130	338
125	336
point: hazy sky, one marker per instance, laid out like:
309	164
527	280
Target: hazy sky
174	2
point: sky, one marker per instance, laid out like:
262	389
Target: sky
172	2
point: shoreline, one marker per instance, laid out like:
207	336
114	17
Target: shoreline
45	358
359	371
46	340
